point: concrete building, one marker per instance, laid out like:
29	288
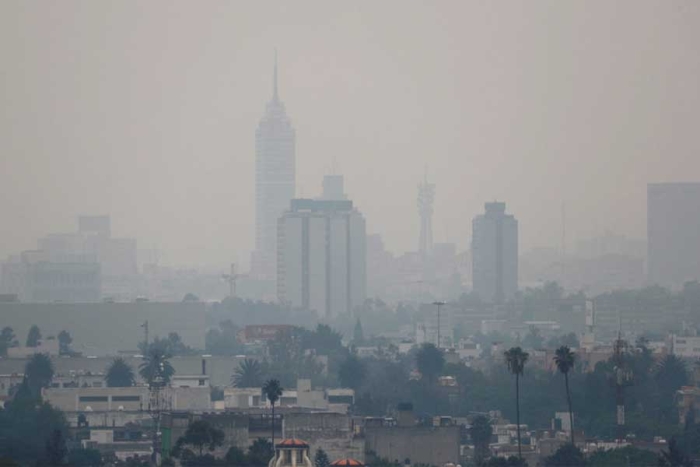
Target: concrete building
81	266
117	406
403	439
321	256
673	229
685	347
495	254
333	432
275	179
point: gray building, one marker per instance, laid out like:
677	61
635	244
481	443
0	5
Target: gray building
495	254
321	261
673	233
275	177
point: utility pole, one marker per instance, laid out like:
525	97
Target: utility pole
438	304
231	279
145	332
621	379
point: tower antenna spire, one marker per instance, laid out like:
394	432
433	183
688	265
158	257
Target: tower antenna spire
275	95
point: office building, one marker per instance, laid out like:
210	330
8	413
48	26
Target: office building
275	172
495	254
322	256
673	233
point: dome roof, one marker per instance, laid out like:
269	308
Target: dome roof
347	463
292	443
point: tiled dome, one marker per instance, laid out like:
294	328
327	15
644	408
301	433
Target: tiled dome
292	443
347	463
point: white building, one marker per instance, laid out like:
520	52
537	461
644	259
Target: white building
685	347
321	256
495	254
275	178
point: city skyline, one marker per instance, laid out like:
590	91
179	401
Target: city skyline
159	137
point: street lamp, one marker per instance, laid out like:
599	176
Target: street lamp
438	304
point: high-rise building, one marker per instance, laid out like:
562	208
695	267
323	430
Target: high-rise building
321	262
495	254
673	233
275	172
426	197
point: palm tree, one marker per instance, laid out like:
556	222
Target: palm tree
156	367
248	374
564	359
119	374
273	391
515	359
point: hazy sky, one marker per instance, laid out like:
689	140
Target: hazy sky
146	110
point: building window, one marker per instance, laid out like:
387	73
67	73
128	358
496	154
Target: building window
287	456
300	456
201	382
93	399
126	398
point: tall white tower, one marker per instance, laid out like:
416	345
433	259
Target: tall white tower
275	178
426	196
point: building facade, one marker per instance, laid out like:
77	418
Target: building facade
673	229
321	256
495	254
275	178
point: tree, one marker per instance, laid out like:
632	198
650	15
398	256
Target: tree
533	339
64	342
358	336
119	374
515	360
33	336
156	368
84	458
249	374
273	391
481	432
235	456
564	359
260	452
201	434
7	340
627	456
190	297
321	459
568	455
39	372
56	448
351	373
674	456
430	362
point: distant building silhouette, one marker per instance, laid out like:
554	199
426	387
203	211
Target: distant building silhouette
673	233
275	175
322	256
495	254
82	266
426	197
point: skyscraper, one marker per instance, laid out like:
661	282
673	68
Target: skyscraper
275	177
673	233
495	254
322	256
426	196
